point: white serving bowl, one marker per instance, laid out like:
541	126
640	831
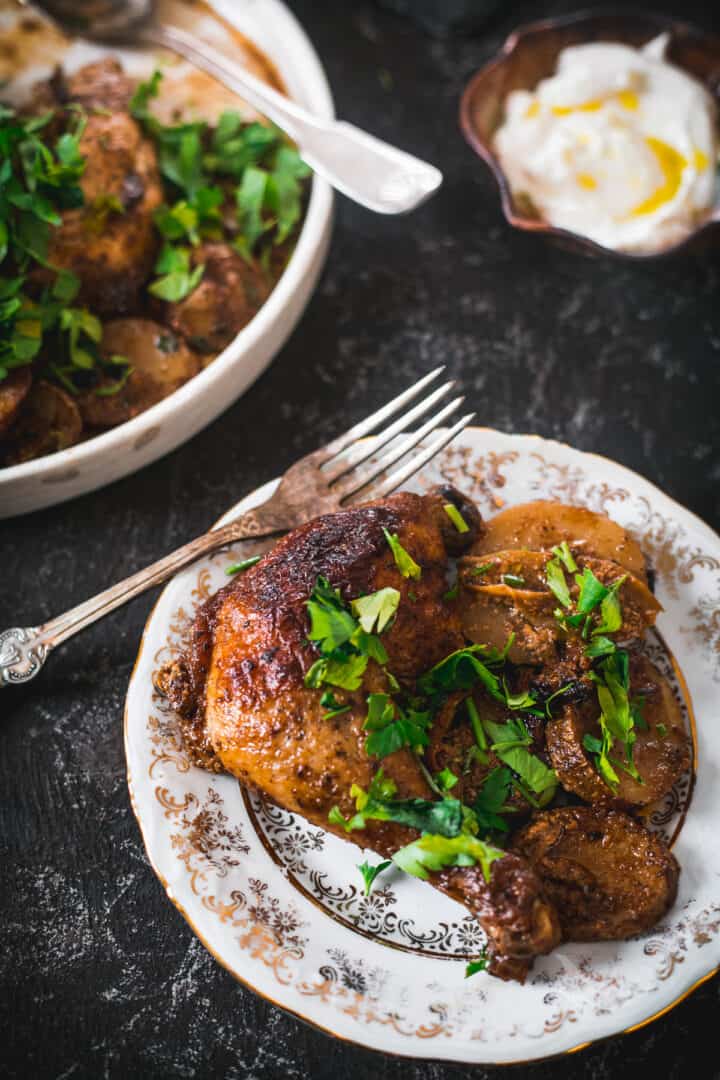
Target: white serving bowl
128	447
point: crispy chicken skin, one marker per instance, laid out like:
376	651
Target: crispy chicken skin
112	251
246	710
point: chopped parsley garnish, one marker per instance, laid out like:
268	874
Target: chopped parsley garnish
177	280
478	570
239	567
435	852
391	727
463	669
491	800
558	693
661	730
557	583
403	560
515	581
370	873
476	722
456	517
475	966
443	817
610	610
375	611
39	178
509	743
591	591
617	720
329	701
262	171
446	780
600	646
331	624
452	593
345	648
565	555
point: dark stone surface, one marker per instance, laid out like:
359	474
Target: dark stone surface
100	975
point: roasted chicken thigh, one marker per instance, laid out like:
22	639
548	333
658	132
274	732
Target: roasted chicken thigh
499	687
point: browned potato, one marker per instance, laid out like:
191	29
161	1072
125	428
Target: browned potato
660	758
110	242
608	877
230	293
13	391
48	421
491	608
161	363
541	525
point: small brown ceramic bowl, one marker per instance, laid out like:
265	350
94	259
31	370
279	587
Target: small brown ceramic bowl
530	54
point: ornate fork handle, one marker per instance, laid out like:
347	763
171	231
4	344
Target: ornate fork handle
23	650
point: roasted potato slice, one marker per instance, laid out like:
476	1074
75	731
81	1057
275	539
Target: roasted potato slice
13	391
161	363
541	525
231	291
511	595
608	877
661	753
49	420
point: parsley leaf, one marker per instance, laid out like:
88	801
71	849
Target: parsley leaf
591	592
444	817
392	728
565	555
456	517
600	646
446	780
237	568
328	701
369	873
617	719
509	744
177	280
375	611
404	561
491	799
557	583
515	581
610	610
433	852
331	624
474	966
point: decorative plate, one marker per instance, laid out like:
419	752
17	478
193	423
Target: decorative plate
279	902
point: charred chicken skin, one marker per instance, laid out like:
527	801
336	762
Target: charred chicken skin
250	704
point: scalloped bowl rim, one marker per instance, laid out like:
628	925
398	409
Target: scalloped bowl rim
485	151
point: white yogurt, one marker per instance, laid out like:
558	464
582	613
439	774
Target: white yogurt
618	145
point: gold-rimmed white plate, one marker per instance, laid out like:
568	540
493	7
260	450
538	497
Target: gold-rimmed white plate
279	902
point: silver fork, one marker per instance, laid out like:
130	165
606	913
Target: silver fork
319	483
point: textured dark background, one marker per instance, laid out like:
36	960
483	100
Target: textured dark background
100	976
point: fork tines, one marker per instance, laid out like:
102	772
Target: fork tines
343	455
